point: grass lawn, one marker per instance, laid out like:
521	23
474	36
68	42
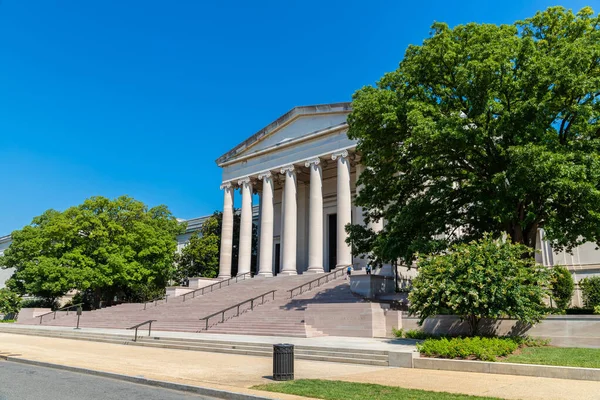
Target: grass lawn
337	390
563	356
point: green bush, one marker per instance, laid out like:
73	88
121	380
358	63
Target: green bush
412	334
597	310
10	302
399	333
562	287
485	349
579	311
7	321
487	278
590	289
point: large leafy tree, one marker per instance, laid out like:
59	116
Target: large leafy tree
105	247
200	256
484	128
487	278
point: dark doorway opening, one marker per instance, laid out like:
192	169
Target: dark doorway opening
277	253
332	240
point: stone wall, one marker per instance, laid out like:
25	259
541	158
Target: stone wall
562	330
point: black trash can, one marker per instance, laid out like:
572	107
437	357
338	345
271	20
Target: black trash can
283	362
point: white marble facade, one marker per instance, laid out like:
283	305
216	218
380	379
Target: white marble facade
303	167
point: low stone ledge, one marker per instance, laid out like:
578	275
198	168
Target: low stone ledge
402	359
543	371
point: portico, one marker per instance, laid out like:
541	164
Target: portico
303	167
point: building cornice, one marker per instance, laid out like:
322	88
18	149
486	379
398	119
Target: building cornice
284	120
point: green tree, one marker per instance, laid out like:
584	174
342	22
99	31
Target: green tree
484	128
487	278
106	247
200	257
10	302
562	287
590	289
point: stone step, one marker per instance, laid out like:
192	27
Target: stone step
352	356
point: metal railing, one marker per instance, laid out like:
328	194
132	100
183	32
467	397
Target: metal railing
60	309
149	322
327	277
220	284
155	301
238	305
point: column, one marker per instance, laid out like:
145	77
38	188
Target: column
226	232
245	256
265	264
290	223
315	218
344	208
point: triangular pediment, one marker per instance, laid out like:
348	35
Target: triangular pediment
297	123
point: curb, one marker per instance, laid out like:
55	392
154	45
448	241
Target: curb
502	368
220	394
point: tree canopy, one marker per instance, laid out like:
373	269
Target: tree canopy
484	128
103	246
487	278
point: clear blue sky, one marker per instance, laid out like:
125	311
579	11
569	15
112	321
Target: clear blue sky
140	97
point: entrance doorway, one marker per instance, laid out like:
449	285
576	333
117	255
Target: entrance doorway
277	254
332	240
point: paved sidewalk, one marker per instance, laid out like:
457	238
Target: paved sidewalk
324	341
239	372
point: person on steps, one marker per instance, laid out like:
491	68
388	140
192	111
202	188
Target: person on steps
348	271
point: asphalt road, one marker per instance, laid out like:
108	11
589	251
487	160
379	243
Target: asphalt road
26	382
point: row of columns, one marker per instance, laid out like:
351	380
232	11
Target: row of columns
289	220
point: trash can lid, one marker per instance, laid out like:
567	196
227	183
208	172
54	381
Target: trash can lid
284	345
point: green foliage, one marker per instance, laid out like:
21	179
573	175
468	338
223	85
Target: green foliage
337	390
562	287
485	128
590	289
399	333
10	302
417	334
597	310
481	279
39	303
200	257
106	246
579	311
7	321
485	349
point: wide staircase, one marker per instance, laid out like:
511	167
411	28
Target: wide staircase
285	316
275	313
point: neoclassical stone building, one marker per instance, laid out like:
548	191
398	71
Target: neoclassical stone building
304	169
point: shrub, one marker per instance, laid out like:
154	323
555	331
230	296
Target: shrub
579	311
597	310
399	333
10	302
562	287
39	303
481	348
590	289
487	278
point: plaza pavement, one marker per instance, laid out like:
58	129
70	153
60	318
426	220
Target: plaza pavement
239	372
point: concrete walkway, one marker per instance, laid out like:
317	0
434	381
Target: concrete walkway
402	345
238	373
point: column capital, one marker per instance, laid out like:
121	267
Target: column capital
314	161
245	180
286	169
226	185
264	175
339	154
